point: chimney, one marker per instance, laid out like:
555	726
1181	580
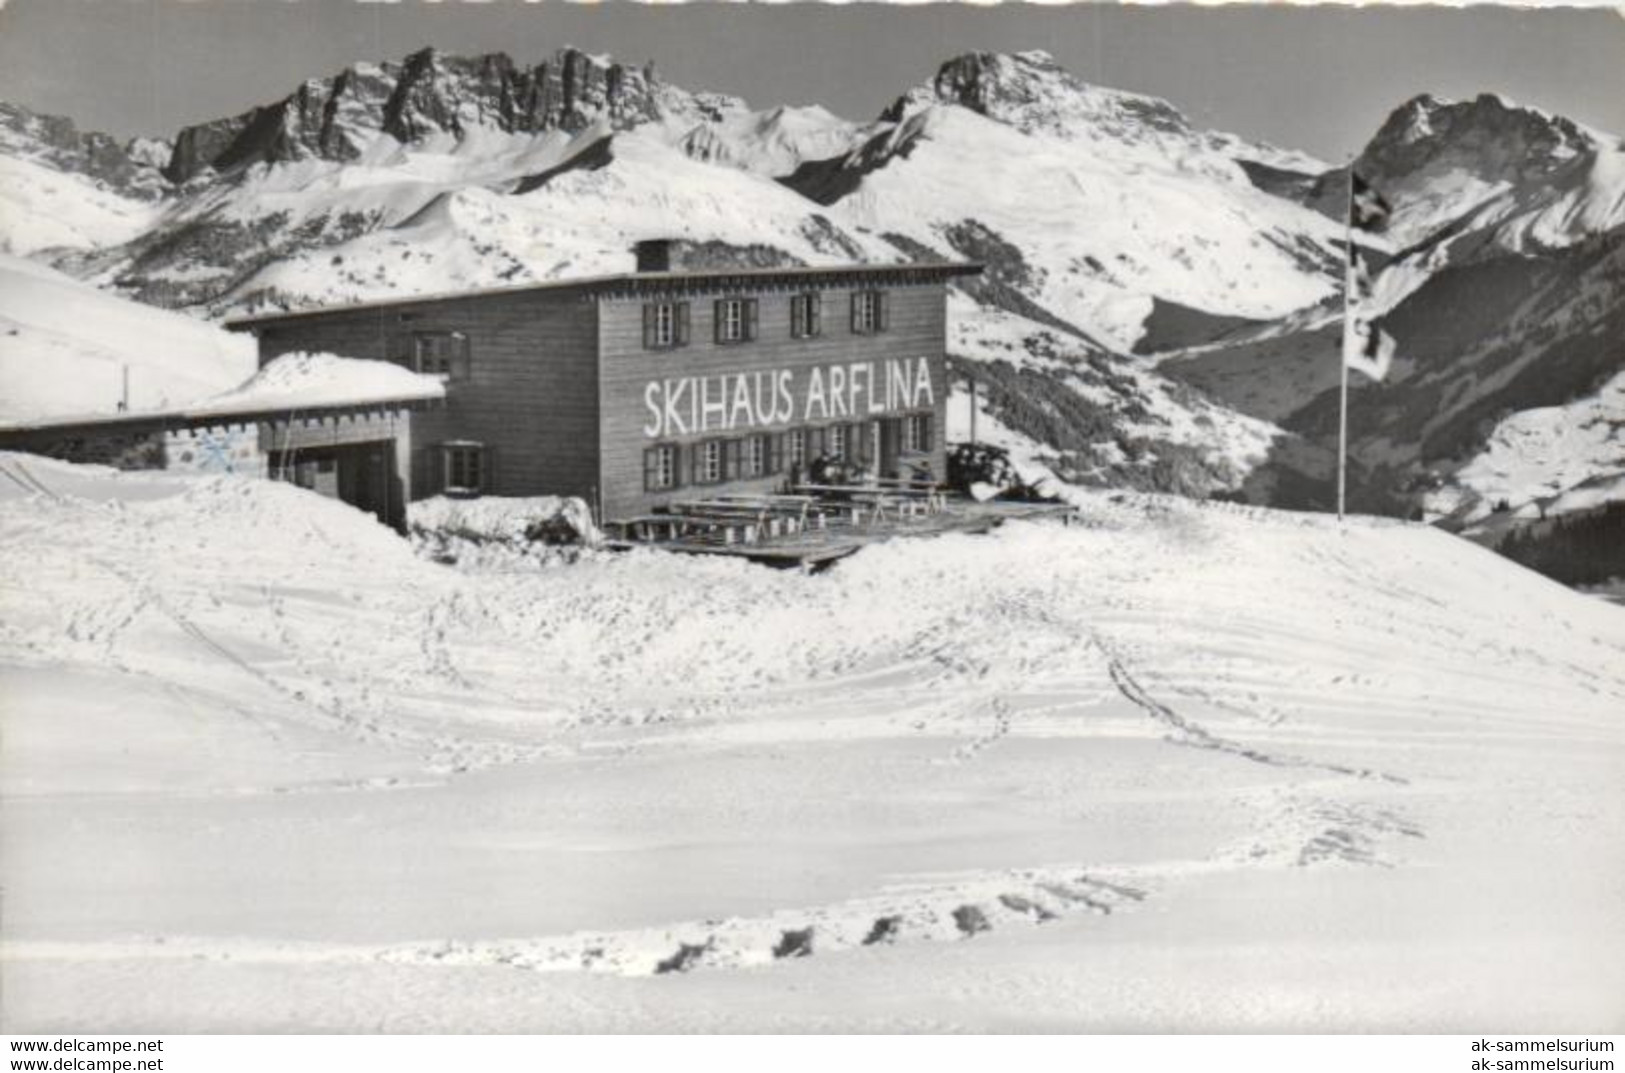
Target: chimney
654	255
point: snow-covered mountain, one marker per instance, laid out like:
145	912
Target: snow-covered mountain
1506	294
1159	300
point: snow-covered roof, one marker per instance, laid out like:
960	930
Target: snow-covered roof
647	282
305	380
294	384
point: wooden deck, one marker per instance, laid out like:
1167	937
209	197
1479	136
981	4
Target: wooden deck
816	547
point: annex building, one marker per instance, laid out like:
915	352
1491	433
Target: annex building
632	390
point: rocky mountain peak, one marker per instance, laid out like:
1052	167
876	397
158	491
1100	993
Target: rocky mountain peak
54	140
428	94
1031	92
1488	137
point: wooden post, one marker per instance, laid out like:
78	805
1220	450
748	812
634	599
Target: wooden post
972	380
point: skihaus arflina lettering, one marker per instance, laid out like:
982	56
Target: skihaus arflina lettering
760	399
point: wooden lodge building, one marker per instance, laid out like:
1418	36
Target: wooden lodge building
631	391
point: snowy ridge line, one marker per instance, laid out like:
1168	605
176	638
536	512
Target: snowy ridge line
942	911
1186	732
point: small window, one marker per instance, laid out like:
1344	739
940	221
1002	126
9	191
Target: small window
665	325
708	462
464	469
660	468
735	320
868	312
917	432
806	315
835	441
441	354
753	456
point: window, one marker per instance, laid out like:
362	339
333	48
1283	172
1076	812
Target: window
464	468
857	442
753	457
665	325
441	354
735	320
708	462
868	312
660	468
917	432
795	445
806	315
835	441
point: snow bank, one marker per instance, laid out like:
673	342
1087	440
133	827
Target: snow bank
467	530
306	380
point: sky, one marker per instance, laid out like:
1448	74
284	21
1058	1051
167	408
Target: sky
1317	79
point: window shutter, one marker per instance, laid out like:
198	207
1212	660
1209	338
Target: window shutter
465	358
695	454
648	326
856	302
650	468
750	318
798	317
926	441
882	311
733	461
718	317
815	443
682	324
775	453
815	302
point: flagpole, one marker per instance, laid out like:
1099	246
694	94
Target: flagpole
1342	351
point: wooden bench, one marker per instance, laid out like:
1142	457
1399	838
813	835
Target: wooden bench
647	527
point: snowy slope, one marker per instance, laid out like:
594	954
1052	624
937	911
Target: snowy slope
1538	456
1180	767
774	142
42	208
441	234
64	346
1110	199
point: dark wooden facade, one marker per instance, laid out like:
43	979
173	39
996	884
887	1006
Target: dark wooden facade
582	388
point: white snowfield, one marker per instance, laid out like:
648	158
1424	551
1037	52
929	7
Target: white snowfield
44	208
1566	457
64	347
1182	767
